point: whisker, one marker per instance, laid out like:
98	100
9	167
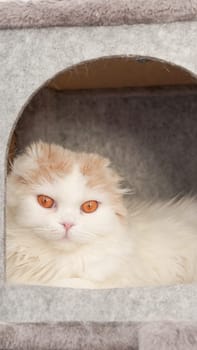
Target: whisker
30	228
90	234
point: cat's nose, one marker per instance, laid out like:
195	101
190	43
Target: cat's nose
67	225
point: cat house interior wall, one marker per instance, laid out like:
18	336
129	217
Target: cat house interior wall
121	72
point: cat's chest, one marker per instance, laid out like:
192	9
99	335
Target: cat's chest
95	263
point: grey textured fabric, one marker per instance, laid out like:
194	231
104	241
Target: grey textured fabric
68	336
167	336
43	13
144	133
97	336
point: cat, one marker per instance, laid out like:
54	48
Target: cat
68	225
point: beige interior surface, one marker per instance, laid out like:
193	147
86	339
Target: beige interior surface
121	72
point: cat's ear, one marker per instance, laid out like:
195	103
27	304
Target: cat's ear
41	161
106	162
92	163
29	160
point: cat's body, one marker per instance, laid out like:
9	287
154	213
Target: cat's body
152	245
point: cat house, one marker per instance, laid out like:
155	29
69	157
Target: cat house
119	80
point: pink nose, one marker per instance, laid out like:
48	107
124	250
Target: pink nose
67	225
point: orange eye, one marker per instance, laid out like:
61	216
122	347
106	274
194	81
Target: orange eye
45	201
89	206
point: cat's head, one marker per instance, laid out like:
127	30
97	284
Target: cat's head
65	197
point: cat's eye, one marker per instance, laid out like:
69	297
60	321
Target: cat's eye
89	206
45	201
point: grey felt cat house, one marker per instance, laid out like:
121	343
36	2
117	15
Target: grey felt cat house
103	81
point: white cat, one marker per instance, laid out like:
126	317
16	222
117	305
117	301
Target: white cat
67	225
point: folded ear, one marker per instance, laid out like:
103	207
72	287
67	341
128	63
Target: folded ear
26	162
89	163
41	160
20	170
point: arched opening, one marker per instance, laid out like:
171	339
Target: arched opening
140	112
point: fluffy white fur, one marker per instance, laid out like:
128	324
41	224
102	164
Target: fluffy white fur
156	244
